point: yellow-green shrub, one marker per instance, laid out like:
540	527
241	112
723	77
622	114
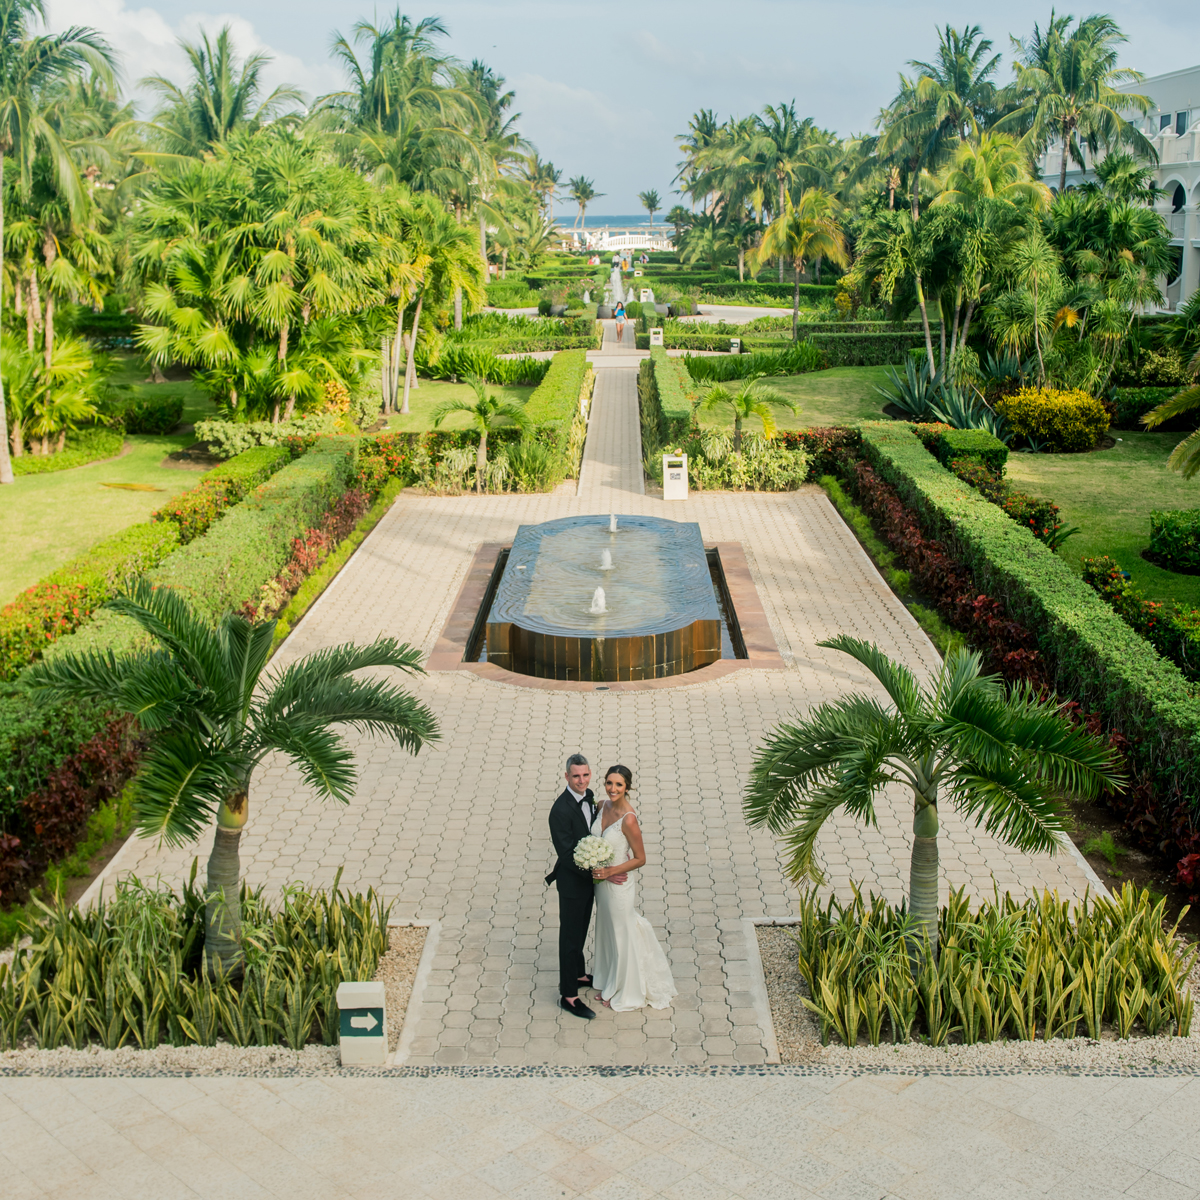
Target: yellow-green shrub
1063	421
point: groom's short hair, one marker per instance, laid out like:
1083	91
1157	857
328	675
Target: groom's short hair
576	760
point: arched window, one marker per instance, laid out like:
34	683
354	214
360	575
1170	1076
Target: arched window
1178	198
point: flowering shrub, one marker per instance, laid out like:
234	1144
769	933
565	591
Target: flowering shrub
229	438
1062	421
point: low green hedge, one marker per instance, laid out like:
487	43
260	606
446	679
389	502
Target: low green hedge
971	443
64	600
246	547
792	358
83	446
671	391
1127	406
867	349
149	414
194	511
554	407
1097	659
1175	538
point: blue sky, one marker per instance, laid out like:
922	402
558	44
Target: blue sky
603	89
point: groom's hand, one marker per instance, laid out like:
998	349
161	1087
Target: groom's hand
618	878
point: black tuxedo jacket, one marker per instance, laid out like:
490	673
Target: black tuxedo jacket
567	826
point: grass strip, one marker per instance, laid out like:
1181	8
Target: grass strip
324	575
899	580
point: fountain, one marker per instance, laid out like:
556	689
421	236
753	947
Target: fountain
587	297
656	615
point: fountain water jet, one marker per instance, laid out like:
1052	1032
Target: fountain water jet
598	603
606	560
612	522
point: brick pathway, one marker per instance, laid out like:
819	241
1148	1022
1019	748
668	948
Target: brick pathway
458	834
784	1136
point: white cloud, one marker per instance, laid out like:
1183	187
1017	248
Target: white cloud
149	45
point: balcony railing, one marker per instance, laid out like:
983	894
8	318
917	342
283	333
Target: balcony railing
1175	224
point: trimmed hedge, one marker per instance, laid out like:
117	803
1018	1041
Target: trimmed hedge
1093	654
1065	421
794	358
150	414
245	548
1127	406
867	349
193	512
671	391
554	408
64	600
971	443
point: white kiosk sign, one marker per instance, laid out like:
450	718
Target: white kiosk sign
675	478
656	337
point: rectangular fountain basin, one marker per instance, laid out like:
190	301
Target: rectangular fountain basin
660	615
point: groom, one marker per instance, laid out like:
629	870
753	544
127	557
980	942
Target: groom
571	819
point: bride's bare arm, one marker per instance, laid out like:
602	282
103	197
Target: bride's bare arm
633	835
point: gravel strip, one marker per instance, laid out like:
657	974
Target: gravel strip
798	1034
397	970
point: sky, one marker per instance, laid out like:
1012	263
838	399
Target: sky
605	89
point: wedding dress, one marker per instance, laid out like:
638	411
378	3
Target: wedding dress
631	970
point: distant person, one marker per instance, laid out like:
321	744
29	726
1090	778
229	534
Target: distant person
619	315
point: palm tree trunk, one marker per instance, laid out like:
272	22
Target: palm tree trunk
1037	336
397	351
222	908
916	191
780	214
741	265
737	434
925	321
6	471
1062	167
480	462
483	242
458	308
923	869
796	301
412	353
49	356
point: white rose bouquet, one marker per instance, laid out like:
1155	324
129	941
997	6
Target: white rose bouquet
592	852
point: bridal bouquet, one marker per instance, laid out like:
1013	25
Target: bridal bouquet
592	852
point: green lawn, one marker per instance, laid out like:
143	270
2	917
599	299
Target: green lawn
832	397
432	392
1109	494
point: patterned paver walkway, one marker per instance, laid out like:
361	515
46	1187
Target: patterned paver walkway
786	1136
458	834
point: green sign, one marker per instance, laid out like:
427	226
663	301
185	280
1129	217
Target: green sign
361	1022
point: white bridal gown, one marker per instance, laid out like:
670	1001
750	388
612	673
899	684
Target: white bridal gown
631	970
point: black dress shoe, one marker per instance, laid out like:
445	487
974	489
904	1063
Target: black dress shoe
578	1009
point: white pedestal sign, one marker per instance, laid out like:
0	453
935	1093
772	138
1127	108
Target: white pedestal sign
645	294
362	1024
675	481
735	345
656	337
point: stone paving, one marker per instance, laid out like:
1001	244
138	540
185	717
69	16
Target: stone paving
458	833
782	1136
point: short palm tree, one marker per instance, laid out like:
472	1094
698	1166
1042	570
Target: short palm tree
583	191
487	413
1003	755
650	202
804	231
747	398
201	694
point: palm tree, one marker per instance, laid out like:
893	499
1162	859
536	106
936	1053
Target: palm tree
996	167
680	218
1003	754
748	399
224	95
582	191
801	232
650	202
30	65
1069	83
202	695
543	178
487	413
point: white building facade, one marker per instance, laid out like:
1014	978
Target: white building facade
1174	128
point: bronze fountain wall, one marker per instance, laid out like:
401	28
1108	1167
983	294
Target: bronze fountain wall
655	613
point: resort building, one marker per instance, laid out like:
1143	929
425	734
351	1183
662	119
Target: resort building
1173	125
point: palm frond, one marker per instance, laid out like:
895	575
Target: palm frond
1010	804
248	649
898	681
322	757
181	784
800	841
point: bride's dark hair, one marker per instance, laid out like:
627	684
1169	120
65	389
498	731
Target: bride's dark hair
625	774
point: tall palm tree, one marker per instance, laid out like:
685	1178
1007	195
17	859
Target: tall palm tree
543	178
583	192
30	64
487	413
1004	756
213	716
650	202
748	399
803	231
1067	80
224	94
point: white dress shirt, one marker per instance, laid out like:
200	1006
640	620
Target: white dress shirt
585	809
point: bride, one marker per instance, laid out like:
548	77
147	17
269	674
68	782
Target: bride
631	969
